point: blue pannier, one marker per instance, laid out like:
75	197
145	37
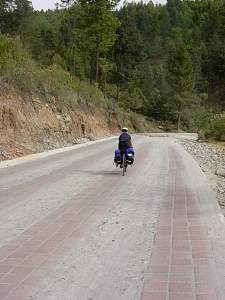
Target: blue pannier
130	156
117	157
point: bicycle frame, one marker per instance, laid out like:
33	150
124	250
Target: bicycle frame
124	164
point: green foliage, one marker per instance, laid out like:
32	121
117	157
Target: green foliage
14	15
16	65
180	70
20	70
158	60
138	122
95	31
217	129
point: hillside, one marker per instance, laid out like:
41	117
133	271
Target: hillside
43	108
92	63
29	125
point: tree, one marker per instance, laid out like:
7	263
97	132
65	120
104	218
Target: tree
180	77
65	3
153	59
96	31
14	15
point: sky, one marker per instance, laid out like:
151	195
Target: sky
46	4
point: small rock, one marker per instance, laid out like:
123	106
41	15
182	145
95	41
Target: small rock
220	173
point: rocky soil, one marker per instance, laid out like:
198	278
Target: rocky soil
29	124
211	158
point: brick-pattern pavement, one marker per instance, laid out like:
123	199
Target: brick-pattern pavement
182	263
45	243
24	261
21	192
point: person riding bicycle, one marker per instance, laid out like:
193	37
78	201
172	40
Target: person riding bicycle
124	142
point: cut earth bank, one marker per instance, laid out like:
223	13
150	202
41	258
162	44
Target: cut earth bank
29	125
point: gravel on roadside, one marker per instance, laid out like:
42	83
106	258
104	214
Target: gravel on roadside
211	158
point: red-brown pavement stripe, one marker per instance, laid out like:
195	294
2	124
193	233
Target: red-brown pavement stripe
6	250
12	170
183	296
207	297
181	252
154	296
18	274
46	249
19	193
153	286
51	246
4	290
181	287
5	268
20	293
180	277
205	288
202	256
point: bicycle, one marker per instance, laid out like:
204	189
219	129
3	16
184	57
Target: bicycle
123	160
124	164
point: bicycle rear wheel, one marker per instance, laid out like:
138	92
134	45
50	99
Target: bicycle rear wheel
124	165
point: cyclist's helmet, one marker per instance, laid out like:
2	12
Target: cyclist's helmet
124	129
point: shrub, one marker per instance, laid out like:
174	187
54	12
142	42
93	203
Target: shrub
137	122
217	129
19	70
16	65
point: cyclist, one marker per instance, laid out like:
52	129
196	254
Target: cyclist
124	141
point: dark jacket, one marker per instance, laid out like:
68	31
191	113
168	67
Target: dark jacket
124	141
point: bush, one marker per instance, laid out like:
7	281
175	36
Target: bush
138	122
217	129
19	70
16	65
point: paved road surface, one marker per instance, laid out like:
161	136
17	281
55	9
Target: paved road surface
72	228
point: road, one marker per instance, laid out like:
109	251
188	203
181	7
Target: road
72	228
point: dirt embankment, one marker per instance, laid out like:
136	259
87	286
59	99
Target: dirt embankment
29	125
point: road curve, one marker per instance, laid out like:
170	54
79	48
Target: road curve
72	228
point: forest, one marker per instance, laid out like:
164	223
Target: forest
166	62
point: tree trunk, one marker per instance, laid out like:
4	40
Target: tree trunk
117	92
178	117
105	85
97	64
178	122
74	61
91	74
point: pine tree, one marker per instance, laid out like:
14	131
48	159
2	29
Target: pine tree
180	77
14	15
96	29
65	3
